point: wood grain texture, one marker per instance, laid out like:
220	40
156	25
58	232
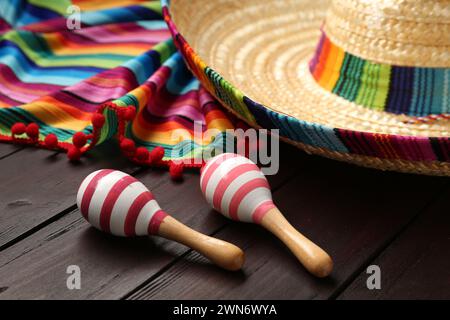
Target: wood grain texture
350	212
111	267
39	184
7	149
417	264
309	254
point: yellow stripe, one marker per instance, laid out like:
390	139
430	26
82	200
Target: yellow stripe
102	4
63	47
335	70
221	124
166	137
54	116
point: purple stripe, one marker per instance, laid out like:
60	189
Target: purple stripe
313	62
12	78
128	32
96	93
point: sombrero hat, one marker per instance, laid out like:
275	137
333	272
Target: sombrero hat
367	82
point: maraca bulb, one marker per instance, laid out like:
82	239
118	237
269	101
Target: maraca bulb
236	187
116	202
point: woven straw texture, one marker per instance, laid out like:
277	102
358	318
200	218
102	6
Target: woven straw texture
254	57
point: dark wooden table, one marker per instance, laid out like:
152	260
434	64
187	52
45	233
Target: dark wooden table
360	216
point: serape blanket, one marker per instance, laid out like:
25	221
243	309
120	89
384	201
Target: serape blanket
76	73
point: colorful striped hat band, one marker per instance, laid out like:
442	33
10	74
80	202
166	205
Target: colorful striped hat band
414	91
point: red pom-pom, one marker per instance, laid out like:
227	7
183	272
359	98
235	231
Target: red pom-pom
157	154
176	170
73	153
127	145
32	130
18	128
142	153
79	139
51	140
98	120
129	113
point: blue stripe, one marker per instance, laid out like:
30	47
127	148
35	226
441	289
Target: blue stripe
438	92
116	15
144	65
27	71
180	80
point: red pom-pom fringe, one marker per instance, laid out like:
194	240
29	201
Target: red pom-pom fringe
73	153
176	170
142	154
156	155
32	130
98	120
129	113
79	139
127	145
51	141
18	128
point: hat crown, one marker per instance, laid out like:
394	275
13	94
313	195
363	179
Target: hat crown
398	32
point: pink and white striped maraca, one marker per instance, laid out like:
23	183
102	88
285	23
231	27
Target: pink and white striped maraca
118	203
236	187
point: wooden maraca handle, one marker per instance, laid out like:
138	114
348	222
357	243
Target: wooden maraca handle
224	254
313	258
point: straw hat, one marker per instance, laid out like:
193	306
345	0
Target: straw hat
367	82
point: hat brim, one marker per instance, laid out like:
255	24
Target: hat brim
227	46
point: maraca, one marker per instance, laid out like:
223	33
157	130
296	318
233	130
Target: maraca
116	202
236	187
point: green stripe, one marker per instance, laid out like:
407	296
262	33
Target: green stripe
351	87
59	6
365	84
341	73
382	87
36	49
110	126
154	6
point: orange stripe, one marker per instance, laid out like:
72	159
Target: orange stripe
73	111
335	68
108	82
88	5
164	133
328	67
62	46
4	105
57	114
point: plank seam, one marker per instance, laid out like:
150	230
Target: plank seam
169	265
377	253
11	153
50	220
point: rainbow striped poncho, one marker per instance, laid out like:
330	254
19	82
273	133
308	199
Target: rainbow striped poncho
76	73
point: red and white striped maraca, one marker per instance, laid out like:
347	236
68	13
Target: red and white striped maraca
118	203
236	187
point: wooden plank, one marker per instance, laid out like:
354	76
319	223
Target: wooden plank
351	212
7	149
417	264
39	184
35	268
111	267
